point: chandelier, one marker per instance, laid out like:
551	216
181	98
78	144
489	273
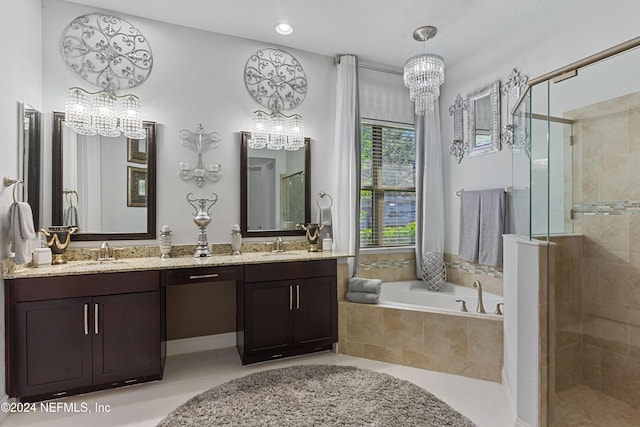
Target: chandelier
423	74
276	131
103	113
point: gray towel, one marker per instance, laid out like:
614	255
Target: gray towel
492	220
468	245
21	231
360	284
363	297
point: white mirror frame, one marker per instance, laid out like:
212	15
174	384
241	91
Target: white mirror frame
493	90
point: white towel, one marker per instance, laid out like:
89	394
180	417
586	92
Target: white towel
468	244
21	231
325	222
492	221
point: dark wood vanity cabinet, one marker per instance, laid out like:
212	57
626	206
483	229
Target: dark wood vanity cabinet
286	309
72	334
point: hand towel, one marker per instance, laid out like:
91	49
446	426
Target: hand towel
492	221
21	231
324	219
468	244
359	284
363	297
71	217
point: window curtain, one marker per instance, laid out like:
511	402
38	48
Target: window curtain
346	161
429	186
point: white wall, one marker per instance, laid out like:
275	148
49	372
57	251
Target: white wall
549	44
197	77
20	81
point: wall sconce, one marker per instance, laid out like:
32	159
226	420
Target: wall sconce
276	80
276	131
103	113
512	89
109	53
458	146
199	141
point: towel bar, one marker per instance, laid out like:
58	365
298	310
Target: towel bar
506	190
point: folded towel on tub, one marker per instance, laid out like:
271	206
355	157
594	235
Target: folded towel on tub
363	297
360	284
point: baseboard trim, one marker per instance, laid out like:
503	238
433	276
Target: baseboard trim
204	343
508	397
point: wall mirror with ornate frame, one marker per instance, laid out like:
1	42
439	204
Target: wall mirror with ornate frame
105	186
29	158
483	114
275	190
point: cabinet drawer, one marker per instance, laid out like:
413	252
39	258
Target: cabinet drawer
289	270
185	276
45	288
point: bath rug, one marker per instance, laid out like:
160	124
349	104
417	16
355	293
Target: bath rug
316	395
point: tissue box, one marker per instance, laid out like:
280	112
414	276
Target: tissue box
41	257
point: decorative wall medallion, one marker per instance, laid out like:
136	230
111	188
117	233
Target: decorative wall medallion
106	51
275	79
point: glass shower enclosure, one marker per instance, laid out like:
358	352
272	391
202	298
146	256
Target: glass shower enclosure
579	159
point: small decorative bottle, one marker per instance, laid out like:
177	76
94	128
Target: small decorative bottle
165	242
236	240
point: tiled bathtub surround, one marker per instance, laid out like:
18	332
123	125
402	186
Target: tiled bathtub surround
459	344
402	266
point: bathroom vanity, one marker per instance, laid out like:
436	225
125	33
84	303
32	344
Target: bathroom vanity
87	325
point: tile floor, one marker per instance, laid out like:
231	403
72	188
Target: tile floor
189	374
581	406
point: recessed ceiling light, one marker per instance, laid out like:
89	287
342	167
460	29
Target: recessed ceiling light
284	28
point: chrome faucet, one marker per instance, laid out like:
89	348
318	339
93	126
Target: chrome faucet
279	246
104	251
480	308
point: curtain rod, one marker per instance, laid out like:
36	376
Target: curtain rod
336	60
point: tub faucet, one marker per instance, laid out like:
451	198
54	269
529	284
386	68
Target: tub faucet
480	308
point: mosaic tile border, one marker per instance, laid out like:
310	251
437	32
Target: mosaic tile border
470	267
616	207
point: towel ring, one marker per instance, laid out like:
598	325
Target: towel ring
9	182
322	194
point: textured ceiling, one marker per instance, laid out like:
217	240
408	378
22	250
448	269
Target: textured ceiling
378	31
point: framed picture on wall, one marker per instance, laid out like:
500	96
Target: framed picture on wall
136	187
137	150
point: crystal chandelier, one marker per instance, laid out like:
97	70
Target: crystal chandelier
423	74
103	113
276	131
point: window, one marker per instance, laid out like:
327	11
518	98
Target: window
388	192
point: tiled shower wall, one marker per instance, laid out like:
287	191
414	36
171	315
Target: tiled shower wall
598	277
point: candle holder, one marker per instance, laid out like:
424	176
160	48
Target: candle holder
202	218
58	238
236	240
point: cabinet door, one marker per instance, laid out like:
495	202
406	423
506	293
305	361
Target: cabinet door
126	336
268	311
52	346
315	316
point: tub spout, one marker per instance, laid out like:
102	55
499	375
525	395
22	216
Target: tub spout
480	308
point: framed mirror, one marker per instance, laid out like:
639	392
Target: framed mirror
275	190
29	158
483	114
105	186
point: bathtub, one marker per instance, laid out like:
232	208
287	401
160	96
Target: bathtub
413	295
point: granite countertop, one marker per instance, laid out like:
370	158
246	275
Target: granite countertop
12	271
